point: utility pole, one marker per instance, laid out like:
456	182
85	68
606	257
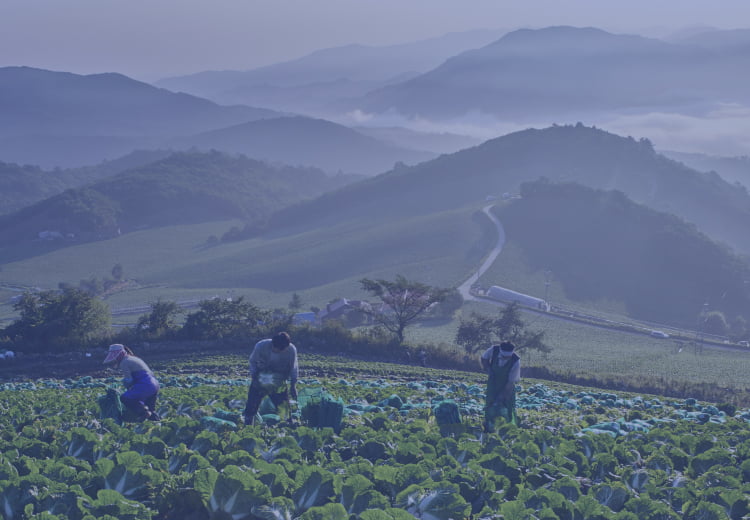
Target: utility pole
547	282
702	317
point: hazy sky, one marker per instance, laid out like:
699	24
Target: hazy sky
152	39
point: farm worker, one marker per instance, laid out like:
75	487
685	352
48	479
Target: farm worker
272	362
503	367
142	386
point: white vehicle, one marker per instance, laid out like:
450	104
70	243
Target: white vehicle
744	343
659	334
501	293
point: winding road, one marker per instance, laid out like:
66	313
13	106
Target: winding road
465	288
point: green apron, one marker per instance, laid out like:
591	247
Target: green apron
497	380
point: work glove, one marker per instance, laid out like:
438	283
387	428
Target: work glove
293	391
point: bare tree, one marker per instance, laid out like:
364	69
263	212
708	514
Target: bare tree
402	302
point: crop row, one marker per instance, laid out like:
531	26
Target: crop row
587	455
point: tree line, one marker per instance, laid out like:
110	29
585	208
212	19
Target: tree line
74	319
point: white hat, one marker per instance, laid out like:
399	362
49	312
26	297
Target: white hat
507	348
114	352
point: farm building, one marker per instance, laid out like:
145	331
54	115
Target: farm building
506	295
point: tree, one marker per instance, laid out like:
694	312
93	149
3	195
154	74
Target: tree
296	302
117	272
716	323
50	320
161	321
481	331
93	286
223	318
403	301
449	305
476	332
738	328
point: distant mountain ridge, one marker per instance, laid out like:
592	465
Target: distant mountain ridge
56	118
733	39
443	142
306	141
561	71
42	102
368	66
733	169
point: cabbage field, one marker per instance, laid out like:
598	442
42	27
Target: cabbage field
578	454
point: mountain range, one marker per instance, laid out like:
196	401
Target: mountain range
528	77
62	119
315	83
560	71
54	119
733	169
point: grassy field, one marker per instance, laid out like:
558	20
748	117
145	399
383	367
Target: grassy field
174	263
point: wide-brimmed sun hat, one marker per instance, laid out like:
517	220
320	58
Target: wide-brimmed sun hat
114	352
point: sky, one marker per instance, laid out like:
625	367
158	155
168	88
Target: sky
153	39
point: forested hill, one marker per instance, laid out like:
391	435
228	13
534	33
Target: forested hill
21	186
581	154
182	188
601	245
556	71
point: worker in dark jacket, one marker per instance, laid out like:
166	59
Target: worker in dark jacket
142	386
503	367
273	362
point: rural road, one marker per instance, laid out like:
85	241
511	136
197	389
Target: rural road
465	288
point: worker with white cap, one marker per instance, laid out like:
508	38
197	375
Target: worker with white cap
503	367
142	386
